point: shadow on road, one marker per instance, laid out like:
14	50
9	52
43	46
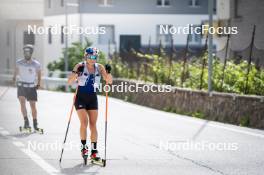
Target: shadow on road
21	135
195	136
79	169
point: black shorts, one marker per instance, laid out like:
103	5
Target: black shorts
30	93
86	101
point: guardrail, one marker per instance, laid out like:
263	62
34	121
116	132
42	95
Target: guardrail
46	82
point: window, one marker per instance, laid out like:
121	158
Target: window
49	3
194	3
109	35
164	38
105	3
62	35
49	36
29	38
62	3
163	3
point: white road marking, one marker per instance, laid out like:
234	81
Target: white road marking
193	120
14	138
237	130
41	162
18	144
221	126
34	156
4	133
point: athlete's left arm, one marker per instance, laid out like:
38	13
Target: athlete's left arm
39	77
107	77
15	75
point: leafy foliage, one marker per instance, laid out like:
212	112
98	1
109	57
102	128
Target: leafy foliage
160	70
75	55
196	74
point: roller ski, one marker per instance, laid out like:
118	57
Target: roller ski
84	155
26	128
39	130
95	159
36	129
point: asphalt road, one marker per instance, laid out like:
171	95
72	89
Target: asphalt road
141	140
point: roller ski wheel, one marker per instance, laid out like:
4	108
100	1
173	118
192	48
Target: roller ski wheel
85	161
25	129
85	156
104	162
36	128
96	160
39	130
100	162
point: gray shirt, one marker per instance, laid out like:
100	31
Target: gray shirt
27	70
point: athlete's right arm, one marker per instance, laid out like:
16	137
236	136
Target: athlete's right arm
78	68
15	75
73	76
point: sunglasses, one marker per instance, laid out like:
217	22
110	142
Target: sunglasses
92	57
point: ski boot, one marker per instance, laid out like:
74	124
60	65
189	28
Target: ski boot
95	159
36	129
84	154
26	128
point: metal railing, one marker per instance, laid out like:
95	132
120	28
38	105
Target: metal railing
46	82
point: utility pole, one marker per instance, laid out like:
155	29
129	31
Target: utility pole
66	61
210	45
66	44
66	38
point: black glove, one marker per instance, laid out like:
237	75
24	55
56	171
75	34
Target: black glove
37	86
108	68
80	69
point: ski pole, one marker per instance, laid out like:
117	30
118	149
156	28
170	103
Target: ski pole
106	112
68	123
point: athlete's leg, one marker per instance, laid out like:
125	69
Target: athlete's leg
33	109
32	97
82	114
93	115
22	101
34	114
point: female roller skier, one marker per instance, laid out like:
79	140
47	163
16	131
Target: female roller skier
88	74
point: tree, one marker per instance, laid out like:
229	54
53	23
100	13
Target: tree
75	55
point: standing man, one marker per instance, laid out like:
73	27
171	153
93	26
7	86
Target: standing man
28	81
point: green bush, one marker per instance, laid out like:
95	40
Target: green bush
75	55
157	69
196	75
